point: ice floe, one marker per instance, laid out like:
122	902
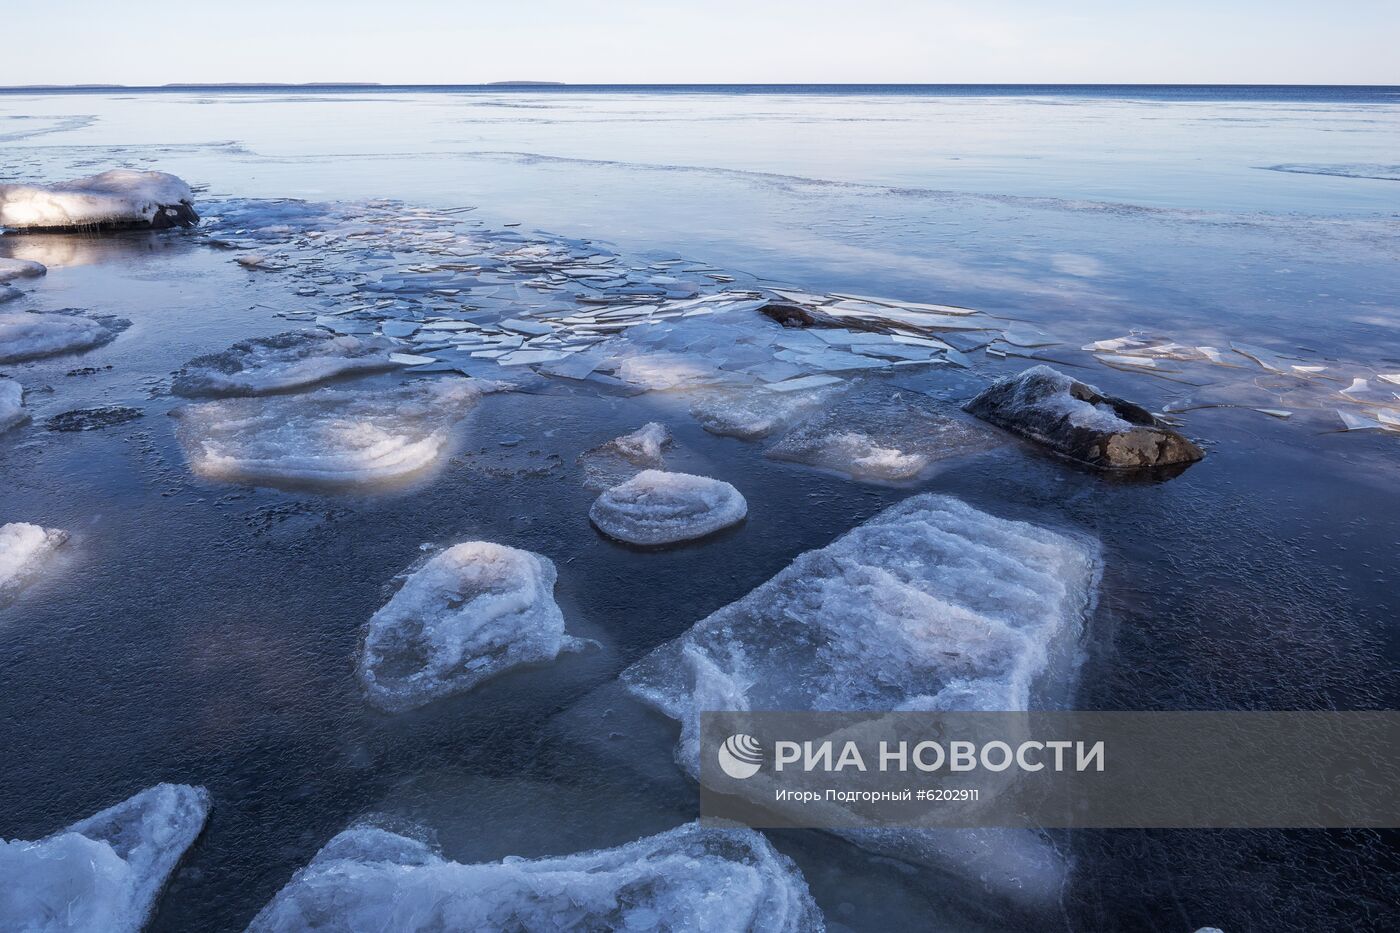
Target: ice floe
655	507
12	411
622	457
931	604
752	414
472	612
11	269
26	335
102	874
326	436
116	198
23	550
688	879
282	363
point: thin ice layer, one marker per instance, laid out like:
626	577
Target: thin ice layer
120	197
11	269
753	413
655	507
12	411
283	362
23	550
26	335
622	457
472	612
102	874
687	879
329	436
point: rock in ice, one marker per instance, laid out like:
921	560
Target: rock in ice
688	879
327	436
468	614
23	550
281	363
655	507
120	198
620	458
1080	422
12	411
27	335
102	874
11	269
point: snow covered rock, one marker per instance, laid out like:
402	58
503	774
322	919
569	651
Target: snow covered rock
11	269
328	436
120	198
12	411
620	458
468	614
26	335
931	604
655	507
23	550
688	879
281	363
102	874
1080	422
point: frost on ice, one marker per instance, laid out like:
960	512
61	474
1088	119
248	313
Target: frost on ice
655	507
281	363
11	269
931	604
468	614
119	198
622	457
328	436
102	874
23	550
688	879
26	335
12	411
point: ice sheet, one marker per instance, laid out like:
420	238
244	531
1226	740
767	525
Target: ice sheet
655	507
12	269
23	550
26	335
281	363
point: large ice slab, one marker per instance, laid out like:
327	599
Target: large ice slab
328	436
117	198
26	335
23	550
102	874
689	880
472	612
281	363
655	507
12	411
11	269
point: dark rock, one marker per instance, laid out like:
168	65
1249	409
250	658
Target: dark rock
1080	422
790	314
90	419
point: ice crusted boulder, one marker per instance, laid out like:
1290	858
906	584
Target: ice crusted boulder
282	363
12	411
655	507
931	604
1080	422
120	198
468	614
102	874
11	269
23	550
26	335
329	436
688	879
622	457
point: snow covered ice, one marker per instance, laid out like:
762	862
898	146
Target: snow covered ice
12	269
622	457
472	612
689	879
281	363
931	604
23	550
116	198
12	411
26	335
102	874
754	413
327	436
655	507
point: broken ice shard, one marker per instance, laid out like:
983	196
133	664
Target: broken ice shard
281	363
23	550
26	335
472	612
120	198
623	457
688	879
102	874
655	507
12	411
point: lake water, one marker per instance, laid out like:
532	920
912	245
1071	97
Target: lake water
205	632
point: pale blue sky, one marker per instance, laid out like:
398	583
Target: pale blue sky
459	41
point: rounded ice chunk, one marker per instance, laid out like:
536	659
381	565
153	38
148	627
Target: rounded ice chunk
655	507
11	269
27	335
120	197
102	874
282	363
23	549
688	879
468	614
326	437
12	411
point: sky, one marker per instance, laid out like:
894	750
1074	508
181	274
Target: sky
153	42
